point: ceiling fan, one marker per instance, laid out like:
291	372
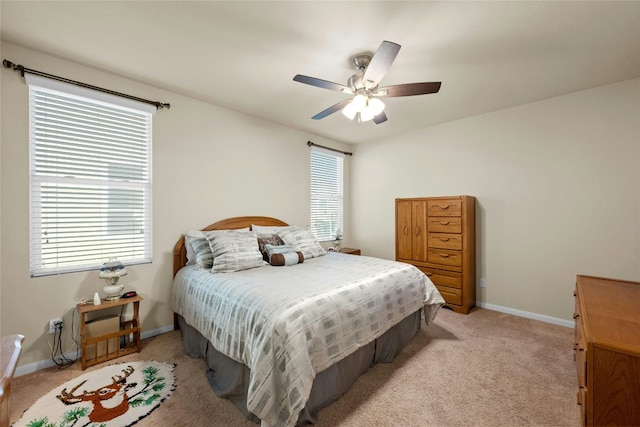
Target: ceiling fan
365	105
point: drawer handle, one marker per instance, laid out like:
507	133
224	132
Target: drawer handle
444	222
444	255
443	207
442	239
576	315
429	274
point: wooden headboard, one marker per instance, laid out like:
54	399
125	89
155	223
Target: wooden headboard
180	251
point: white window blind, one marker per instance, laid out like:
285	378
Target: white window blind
90	179
326	192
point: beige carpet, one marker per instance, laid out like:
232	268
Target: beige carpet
482	369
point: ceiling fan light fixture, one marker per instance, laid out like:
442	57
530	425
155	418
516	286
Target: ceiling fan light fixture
359	103
375	106
366	107
349	111
366	115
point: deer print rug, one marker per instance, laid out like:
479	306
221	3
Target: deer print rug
117	395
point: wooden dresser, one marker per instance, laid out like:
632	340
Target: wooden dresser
607	351
437	235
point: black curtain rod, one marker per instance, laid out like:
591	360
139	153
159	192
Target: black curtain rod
22	70
346	153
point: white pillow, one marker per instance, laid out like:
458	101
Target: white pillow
270	229
302	240
198	248
234	251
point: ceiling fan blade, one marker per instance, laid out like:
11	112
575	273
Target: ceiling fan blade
336	107
380	118
409	89
324	84
380	63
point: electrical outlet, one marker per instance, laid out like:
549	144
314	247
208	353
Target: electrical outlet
483	284
55	324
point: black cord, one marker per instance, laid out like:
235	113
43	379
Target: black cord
64	362
57	346
73	334
62	356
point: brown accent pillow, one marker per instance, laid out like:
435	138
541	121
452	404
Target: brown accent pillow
279	259
268	239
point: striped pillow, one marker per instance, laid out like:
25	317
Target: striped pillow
198	248
302	240
234	251
198	252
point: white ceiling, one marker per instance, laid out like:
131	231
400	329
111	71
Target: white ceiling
243	55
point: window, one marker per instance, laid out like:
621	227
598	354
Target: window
90	178
326	192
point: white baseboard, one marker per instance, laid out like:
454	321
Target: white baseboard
527	314
42	364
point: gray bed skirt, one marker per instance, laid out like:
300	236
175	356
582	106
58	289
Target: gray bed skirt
230	379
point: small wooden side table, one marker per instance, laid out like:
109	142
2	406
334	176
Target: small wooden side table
350	251
126	327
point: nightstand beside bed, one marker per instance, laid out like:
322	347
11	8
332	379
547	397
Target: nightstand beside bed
109	343
350	251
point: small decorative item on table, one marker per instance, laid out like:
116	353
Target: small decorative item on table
338	234
111	271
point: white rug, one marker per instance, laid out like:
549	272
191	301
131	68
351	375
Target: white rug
114	396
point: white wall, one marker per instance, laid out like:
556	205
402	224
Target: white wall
209	163
557	185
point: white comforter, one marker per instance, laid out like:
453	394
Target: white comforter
288	323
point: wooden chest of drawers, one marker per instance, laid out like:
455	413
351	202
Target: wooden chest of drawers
607	351
437	235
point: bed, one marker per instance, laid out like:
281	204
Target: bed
282	342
